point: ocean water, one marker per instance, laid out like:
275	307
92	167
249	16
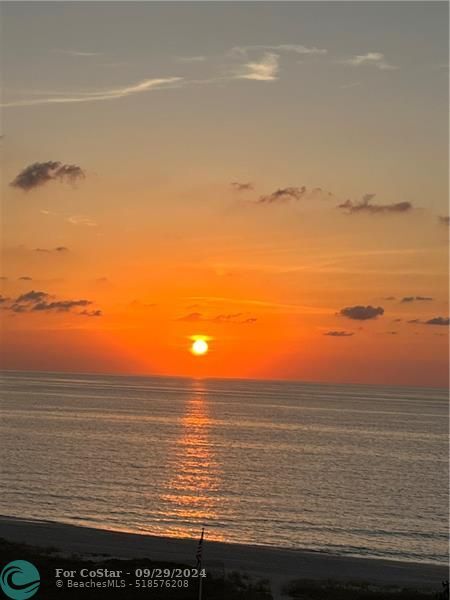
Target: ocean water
347	469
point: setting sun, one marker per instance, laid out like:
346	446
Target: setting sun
199	347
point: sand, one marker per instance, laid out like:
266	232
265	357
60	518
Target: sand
277	564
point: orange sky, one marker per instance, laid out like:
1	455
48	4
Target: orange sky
150	231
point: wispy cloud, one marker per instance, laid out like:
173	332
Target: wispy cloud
365	206
79	53
283	195
340	333
232	318
293	193
444	220
242	186
146	85
407	299
266	69
58	249
295	48
81	220
371	59
38	301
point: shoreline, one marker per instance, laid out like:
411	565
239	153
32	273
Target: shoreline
249	545
279	565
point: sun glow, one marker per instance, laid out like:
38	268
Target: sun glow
199	347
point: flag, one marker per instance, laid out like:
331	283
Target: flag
198	554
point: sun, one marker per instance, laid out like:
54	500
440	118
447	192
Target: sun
199	347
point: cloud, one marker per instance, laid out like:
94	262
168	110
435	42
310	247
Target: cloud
389	298
25	278
295	48
339	333
365	206
195	316
445	321
3	299
58	249
38	174
444	220
242	187
81	220
31	297
371	59
416	298
284	194
234	318
79	53
266	69
61	305
226	318
362	313
392	332
140	87
38	301
294	193
91	313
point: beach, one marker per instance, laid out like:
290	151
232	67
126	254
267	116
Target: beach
276	564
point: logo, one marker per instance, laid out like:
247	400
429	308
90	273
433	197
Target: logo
20	580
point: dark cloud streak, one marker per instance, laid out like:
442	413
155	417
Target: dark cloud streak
365	206
362	313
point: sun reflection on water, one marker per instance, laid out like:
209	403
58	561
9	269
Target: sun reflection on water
192	491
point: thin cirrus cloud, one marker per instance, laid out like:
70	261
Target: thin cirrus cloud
444	220
371	59
146	85
38	301
234	318
242	186
295	48
40	173
58	250
365	205
361	313
283	195
292	193
82	220
339	333
260	62
407	299
80	53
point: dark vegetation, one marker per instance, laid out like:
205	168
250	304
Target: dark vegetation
216	586
306	589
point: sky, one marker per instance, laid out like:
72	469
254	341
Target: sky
270	177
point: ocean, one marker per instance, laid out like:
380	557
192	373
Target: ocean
349	469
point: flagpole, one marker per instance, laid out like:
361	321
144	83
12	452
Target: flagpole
199	564
200	588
